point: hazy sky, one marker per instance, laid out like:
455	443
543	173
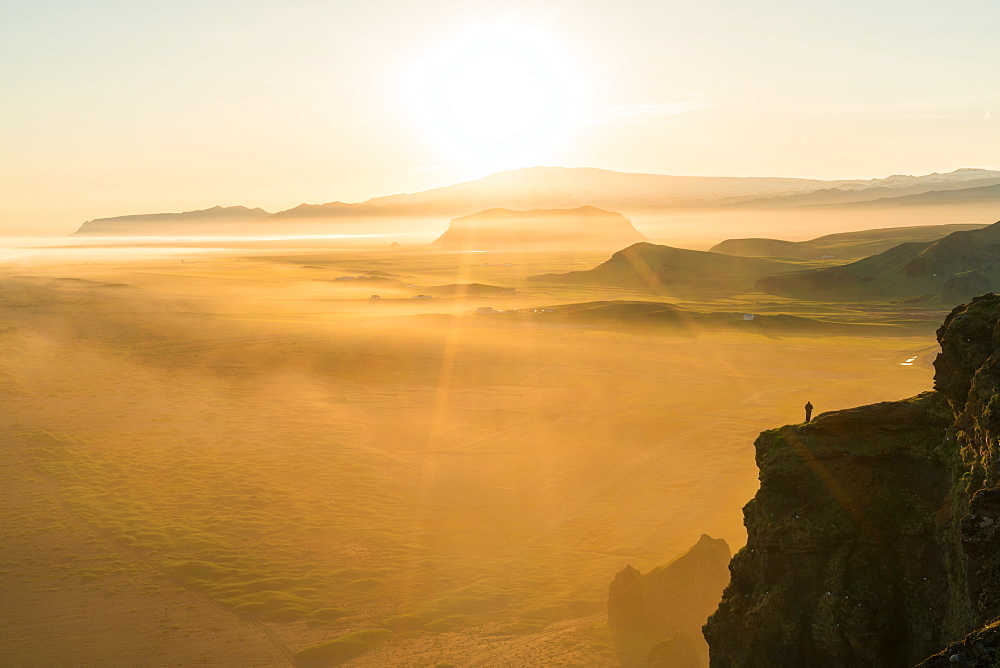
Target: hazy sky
113	107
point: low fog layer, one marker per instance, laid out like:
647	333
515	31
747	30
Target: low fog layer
249	456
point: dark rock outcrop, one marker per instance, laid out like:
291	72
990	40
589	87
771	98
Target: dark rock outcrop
666	607
874	539
980	649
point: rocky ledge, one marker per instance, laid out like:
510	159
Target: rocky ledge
874	539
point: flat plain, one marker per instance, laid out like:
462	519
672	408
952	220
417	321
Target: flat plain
240	458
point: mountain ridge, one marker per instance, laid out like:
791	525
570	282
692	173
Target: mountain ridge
185	221
851	245
571	187
654	268
953	268
983	193
578	186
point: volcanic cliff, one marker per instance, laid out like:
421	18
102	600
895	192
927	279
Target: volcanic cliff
874	539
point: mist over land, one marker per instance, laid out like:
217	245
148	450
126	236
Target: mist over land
467	334
257	457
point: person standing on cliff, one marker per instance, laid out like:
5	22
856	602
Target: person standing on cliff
809	411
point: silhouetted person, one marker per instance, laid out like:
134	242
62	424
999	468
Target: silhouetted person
809	411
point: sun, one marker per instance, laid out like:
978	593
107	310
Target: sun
498	96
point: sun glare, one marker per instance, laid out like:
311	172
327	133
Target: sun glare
498	96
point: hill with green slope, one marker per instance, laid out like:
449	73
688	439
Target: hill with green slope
650	267
843	245
951	269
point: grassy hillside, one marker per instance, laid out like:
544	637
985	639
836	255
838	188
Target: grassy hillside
956	267
845	245
650	267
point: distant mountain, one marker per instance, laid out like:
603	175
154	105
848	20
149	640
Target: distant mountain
987	194
559	188
555	188
844	245
650	267
334	210
633	194
496	229
849	192
567	187
205	221
952	269
905	180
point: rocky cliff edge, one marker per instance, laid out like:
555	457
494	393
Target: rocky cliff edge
874	539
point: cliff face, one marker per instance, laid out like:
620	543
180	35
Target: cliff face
875	537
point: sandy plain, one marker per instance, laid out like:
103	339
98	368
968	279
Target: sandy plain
228	457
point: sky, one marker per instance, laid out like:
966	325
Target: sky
113	107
